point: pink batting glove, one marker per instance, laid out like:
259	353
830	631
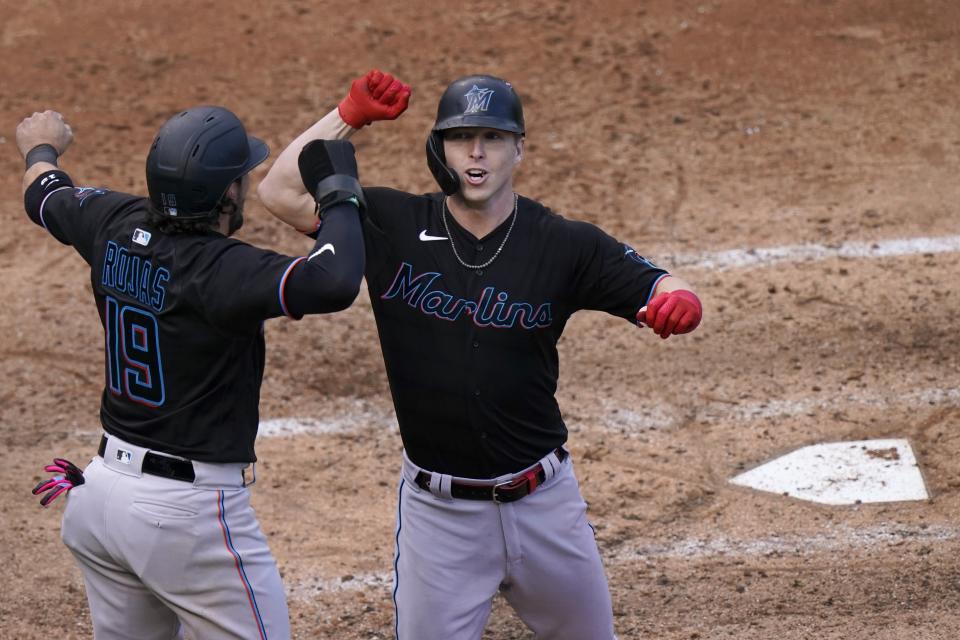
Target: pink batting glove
68	476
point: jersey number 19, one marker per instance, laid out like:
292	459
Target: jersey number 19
133	354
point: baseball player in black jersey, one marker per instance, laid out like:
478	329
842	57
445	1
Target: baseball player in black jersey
471	289
160	521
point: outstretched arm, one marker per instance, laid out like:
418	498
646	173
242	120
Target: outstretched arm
375	96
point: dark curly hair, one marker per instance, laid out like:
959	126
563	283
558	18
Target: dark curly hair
171	226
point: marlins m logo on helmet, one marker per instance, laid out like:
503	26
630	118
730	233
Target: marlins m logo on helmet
477	99
468	102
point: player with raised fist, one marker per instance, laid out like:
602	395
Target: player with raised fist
160	521
471	288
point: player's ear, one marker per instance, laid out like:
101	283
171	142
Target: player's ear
519	156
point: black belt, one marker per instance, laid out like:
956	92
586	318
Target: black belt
508	491
163	466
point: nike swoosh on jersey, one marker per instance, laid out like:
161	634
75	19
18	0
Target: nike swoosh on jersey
326	247
426	238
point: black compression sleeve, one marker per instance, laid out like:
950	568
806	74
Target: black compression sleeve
329	278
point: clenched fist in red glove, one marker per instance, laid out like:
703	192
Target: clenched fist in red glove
375	96
671	312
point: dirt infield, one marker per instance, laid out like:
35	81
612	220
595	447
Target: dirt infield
685	128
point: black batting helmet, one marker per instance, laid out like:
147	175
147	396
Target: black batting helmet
471	101
195	157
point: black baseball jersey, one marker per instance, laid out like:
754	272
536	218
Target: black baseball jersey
182	316
471	354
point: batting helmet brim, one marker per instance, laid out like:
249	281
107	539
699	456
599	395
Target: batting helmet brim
259	151
479	121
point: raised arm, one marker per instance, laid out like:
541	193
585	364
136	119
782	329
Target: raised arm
328	278
375	96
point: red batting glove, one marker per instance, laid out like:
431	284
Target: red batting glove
672	312
375	96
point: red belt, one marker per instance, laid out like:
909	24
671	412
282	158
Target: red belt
507	491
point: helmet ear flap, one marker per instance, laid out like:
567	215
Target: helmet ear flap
448	180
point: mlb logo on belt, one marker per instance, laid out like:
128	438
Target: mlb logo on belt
124	457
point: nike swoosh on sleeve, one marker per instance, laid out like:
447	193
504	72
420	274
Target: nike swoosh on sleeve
326	247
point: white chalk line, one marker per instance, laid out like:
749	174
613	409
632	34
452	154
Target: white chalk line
842	538
632	418
769	256
838	540
351	416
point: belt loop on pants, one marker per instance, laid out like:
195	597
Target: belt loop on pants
252	475
508	490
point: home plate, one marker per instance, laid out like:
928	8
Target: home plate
842	473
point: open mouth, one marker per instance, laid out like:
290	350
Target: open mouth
475	176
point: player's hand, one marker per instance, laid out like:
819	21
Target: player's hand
375	96
43	128
68	476
671	313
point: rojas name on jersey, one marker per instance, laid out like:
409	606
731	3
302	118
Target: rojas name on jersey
134	277
492	309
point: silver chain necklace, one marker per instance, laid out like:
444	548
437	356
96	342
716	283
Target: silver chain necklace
486	264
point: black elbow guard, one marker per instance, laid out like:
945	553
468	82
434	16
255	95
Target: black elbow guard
45	184
328	169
